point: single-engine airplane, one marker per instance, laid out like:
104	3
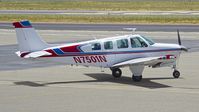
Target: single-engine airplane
133	51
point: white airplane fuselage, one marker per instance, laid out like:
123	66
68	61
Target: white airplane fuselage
85	56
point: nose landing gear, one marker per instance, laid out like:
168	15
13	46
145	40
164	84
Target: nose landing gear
176	74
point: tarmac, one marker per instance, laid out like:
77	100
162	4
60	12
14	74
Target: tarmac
110	27
37	86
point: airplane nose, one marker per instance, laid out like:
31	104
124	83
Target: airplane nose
183	48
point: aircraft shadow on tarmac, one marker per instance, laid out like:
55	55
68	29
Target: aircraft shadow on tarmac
102	77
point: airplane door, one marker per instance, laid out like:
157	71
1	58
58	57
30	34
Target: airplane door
108	49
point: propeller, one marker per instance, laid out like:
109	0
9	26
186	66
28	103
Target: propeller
179	39
180	43
182	48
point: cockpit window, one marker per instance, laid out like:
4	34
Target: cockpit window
137	42
148	40
143	43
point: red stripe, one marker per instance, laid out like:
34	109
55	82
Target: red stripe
70	49
55	55
17	25
52	52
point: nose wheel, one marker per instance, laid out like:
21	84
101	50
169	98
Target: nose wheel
116	72
176	74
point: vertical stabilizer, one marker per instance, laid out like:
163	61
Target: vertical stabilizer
28	39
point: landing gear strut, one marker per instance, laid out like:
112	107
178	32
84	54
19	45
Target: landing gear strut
176	73
116	72
137	72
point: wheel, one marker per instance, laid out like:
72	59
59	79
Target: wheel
137	78
176	74
116	72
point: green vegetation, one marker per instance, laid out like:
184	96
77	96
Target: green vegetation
103	19
110	5
145	5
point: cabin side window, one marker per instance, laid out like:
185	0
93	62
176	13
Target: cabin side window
96	46
108	45
135	43
122	43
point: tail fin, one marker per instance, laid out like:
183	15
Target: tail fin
27	37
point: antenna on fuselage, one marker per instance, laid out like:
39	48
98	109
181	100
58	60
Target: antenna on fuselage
130	29
94	37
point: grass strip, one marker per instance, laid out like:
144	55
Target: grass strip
103	19
101	5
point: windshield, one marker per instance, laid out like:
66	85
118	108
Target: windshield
148	40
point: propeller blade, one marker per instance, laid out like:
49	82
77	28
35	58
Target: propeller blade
179	40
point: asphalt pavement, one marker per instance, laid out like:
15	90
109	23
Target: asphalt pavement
108	27
38	86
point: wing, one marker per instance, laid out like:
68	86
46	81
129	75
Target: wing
147	61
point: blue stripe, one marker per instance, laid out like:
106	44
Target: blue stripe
26	23
58	51
134	51
79	47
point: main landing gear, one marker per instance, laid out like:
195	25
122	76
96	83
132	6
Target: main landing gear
116	72
136	71
137	78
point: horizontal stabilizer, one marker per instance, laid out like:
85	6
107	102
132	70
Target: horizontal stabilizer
33	54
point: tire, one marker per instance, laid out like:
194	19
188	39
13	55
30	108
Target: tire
116	72
176	74
137	78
